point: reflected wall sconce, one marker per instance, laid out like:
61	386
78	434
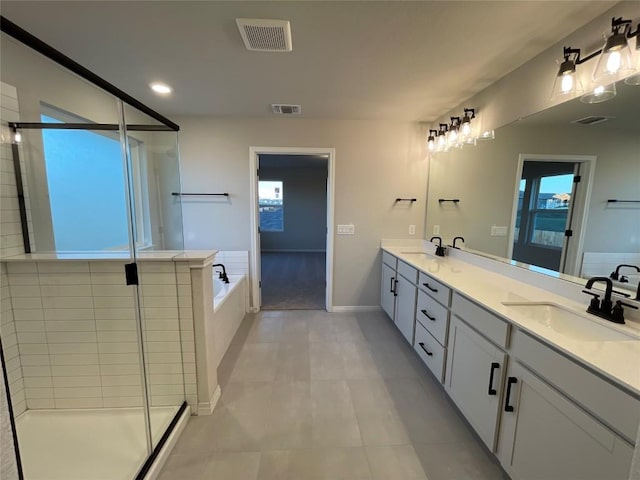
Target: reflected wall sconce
431	140
615	60
465	128
442	137
460	131
452	138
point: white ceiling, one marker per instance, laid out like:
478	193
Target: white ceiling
351	60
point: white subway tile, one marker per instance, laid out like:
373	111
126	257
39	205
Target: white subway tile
38	393
159	302
157	267
23	279
106	267
112	291
79	403
15	377
120	369
113	302
190	379
162	347
108	337
19	406
68	314
24	291
183	278
162	336
22	267
32	338
121	390
66	290
189	368
116	325
121	380
34	360
166	379
149	290
75	370
22	327
72	348
63	267
64	278
71	337
70	326
125	347
27	315
84	381
115	314
40	403
165	400
161	313
164	368
67	302
12	351
19	303
120	402
34	348
112	278
174	358
40	371
77	392
38	382
150	279
161	324
116	358
74	359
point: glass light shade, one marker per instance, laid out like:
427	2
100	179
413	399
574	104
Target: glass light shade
431	143
635	78
567	83
465	131
452	137
599	93
616	59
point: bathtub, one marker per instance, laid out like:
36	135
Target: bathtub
222	291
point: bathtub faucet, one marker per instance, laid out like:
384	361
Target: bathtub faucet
223	274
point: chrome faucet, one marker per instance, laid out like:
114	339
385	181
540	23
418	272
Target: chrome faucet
605	308
439	247
223	274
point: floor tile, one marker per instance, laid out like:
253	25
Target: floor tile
257	362
317	464
236	465
326	361
459	461
395	463
289	422
293	362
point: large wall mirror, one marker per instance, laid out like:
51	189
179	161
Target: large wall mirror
520	201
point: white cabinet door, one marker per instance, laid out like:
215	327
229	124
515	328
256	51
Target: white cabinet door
544	435
406	308
387	292
475	368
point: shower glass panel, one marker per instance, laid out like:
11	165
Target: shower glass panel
94	365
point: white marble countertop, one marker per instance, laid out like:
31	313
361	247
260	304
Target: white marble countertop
152	255
618	360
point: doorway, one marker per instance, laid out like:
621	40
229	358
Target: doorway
549	211
292	215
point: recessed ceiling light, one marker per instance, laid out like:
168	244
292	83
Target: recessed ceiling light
161	88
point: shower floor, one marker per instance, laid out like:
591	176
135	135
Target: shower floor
100	444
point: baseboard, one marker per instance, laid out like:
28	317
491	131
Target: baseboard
355	308
278	250
206	408
154	471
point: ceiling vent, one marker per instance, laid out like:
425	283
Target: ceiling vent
282	109
592	120
261	35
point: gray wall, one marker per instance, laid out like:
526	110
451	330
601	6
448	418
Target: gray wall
483	177
375	162
305	209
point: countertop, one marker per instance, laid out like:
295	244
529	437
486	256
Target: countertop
151	255
617	360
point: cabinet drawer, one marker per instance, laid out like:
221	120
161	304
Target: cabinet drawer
489	325
433	316
613	406
434	288
430	351
407	271
390	260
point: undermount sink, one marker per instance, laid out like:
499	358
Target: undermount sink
566	322
418	253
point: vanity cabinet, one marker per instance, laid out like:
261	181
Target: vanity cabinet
544	435
475	371
405	307
388	290
398	294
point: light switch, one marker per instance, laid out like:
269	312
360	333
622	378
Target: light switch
412	229
346	229
436	229
498	231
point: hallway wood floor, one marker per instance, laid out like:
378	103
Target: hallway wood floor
310	395
293	281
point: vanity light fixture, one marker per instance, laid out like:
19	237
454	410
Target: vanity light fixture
452	138
616	58
465	128
567	82
635	78
599	93
17	137
431	140
442	137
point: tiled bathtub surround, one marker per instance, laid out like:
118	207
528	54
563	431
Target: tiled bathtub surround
10	345
76	333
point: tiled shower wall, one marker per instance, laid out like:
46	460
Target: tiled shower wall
76	333
10	345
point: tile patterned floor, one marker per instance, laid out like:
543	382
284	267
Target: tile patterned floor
309	395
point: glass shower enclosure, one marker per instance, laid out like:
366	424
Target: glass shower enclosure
90	332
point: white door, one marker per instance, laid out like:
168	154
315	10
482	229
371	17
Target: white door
474	378
543	435
387	292
406	308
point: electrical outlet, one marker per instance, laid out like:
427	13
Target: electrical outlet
346	229
498	231
436	229
412	229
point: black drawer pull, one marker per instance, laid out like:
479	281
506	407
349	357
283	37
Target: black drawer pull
424	312
391	285
510	381
494	365
395	288
425	350
434	290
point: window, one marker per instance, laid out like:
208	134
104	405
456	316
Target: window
86	183
551	209
270	205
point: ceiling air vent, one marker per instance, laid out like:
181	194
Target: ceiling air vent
281	109
265	35
592	120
